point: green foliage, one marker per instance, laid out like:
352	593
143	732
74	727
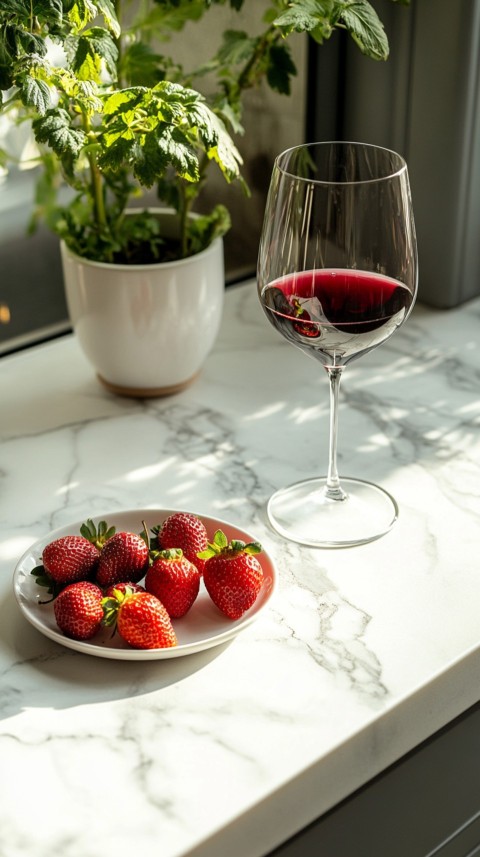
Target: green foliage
116	116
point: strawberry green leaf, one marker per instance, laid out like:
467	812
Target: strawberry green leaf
253	548
88	530
104	532
170	553
218	545
220	540
237	545
96	535
241	547
110	607
42	578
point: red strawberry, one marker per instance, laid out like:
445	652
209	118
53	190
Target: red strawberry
186	531
123	558
232	575
141	620
78	610
70	558
174	580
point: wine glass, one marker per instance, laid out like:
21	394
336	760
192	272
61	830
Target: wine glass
337	276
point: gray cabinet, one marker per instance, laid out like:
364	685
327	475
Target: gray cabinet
426	805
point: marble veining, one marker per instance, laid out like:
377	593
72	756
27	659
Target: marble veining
362	654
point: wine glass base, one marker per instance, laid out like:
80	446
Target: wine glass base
303	514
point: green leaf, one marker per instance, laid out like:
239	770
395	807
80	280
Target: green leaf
107	9
226	155
120	100
36	93
95	46
241	547
13	7
253	548
97	535
55	130
141	65
80	13
220	544
366	29
202	230
110	605
280	68
169	553
218	144
229	115
41	576
164	147
238	47
28	43
43	579
166	16
309	16
49	12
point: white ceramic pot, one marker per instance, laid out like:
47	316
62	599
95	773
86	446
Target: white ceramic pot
146	329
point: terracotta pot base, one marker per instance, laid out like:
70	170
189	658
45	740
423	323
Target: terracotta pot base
147	392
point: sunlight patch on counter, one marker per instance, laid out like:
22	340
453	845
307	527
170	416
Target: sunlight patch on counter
150	471
268	411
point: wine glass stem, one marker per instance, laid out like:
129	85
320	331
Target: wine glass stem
333	489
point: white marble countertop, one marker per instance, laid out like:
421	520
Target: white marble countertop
362	654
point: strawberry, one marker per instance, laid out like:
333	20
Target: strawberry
140	619
186	531
174	580
70	558
123	558
232	574
78	610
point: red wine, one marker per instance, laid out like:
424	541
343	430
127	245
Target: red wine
336	315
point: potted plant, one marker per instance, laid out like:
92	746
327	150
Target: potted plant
114	118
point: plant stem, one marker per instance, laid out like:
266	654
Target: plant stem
97	193
119	44
96	184
333	490
246	78
186	203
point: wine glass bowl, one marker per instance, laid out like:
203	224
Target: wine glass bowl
337	276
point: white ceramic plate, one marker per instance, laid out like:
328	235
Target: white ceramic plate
203	627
